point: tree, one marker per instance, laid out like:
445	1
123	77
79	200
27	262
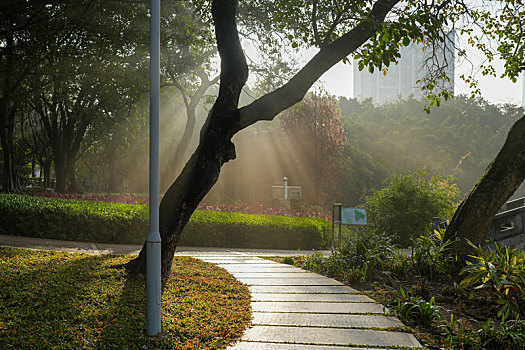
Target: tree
316	129
338	30
504	175
20	23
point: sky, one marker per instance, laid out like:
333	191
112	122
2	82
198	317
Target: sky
338	81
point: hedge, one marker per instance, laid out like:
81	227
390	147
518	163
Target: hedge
105	222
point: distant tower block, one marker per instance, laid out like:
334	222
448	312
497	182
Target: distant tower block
401	79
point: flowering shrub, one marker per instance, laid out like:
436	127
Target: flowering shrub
113	198
236	208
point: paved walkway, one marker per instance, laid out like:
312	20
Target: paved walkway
292	309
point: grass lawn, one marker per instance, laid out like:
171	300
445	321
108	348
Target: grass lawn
77	301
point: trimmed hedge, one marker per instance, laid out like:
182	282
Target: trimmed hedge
106	222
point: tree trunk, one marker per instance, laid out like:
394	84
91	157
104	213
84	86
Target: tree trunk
184	195
60	174
9	184
71	178
226	119
503	176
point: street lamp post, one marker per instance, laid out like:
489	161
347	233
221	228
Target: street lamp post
153	241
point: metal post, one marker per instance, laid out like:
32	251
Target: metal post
340	224
153	275
285	188
333	227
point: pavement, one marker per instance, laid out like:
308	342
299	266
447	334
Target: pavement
292	309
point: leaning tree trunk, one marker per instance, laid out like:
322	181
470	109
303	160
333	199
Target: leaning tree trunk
226	119
502	178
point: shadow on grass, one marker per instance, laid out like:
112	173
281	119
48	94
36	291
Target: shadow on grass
52	299
61	300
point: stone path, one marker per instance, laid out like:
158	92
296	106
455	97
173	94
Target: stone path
295	310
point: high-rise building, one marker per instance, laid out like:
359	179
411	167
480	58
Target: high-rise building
401	81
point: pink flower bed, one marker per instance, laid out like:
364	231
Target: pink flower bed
238	208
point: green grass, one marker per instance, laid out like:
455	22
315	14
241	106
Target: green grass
57	300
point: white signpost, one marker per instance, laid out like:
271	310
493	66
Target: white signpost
346	216
285	193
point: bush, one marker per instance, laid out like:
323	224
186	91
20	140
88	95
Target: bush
361	257
502	271
229	229
88	221
432	254
106	222
405	206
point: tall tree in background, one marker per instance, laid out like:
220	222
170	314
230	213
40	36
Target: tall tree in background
317	132
339	29
21	22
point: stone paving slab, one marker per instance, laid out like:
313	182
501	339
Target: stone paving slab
275	346
316	307
252	260
302	289
256	268
329	336
325	320
290	281
311	297
284	275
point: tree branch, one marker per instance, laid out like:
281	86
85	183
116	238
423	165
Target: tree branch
234	69
269	105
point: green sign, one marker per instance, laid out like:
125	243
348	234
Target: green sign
353	216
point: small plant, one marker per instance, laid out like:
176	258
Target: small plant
431	254
288	260
502	271
415	310
506	335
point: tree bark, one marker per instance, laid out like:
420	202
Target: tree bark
503	176
7	119
225	119
60	174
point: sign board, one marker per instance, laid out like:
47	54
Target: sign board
277	192
353	216
294	192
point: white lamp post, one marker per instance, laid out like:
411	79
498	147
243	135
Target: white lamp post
153	246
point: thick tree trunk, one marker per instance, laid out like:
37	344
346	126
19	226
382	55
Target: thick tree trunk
72	178
502	178
60	174
182	198
225	119
10	182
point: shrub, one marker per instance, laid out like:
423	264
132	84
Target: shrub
229	229
405	206
363	256
414	310
89	221
106	222
432	254
502	271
